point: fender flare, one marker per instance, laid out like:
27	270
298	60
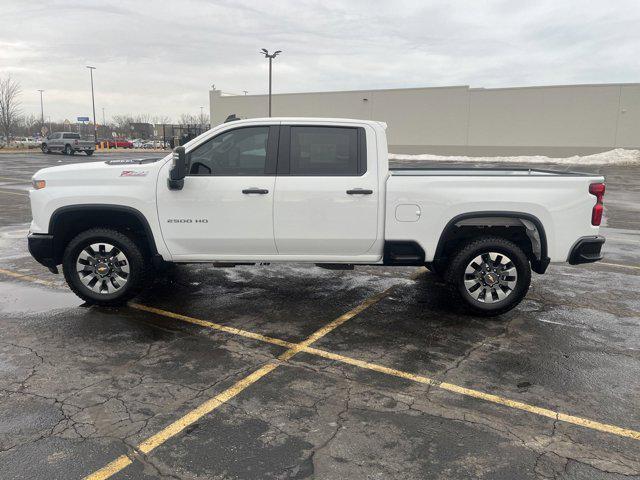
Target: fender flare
105	208
539	265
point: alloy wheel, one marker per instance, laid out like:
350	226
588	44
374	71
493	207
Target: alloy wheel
490	277
103	268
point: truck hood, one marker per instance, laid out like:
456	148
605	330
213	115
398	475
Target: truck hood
110	169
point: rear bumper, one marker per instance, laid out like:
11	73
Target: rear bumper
41	248
586	250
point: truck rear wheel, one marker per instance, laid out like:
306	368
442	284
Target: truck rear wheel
68	150
104	267
491	275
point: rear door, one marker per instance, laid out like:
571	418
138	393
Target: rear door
326	195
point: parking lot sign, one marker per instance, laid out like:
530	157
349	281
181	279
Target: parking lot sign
83	119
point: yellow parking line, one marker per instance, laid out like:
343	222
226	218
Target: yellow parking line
24	180
304	347
210	405
619	265
29	278
15	193
183	422
584	422
215	326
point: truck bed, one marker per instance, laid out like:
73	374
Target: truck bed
420	202
480	171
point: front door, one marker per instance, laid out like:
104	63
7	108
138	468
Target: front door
326	202
225	209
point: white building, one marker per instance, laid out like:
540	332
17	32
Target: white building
559	120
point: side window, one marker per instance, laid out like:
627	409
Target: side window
239	152
324	151
72	135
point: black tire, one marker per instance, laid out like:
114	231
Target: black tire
45	148
88	152
462	259
137	263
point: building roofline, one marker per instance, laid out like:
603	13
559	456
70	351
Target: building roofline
375	90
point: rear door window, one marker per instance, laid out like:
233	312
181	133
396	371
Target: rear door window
326	151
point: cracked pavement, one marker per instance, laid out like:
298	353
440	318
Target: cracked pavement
80	385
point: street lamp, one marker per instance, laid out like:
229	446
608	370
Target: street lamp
201	117
93	102
41	109
265	52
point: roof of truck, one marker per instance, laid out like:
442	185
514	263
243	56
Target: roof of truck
311	119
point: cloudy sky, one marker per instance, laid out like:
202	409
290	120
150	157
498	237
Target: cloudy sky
161	57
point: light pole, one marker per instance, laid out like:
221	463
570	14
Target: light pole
265	52
201	117
41	110
93	102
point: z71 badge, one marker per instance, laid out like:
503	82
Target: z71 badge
134	173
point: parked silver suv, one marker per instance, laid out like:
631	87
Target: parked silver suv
67	143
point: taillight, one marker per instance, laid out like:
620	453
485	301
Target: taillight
597	189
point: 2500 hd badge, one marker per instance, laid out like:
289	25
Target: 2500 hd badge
187	220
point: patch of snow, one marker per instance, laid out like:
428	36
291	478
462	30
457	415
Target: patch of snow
618	156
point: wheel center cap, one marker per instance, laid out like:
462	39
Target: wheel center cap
491	279
102	269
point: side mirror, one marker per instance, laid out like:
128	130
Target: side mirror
179	169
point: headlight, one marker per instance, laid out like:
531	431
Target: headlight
38	184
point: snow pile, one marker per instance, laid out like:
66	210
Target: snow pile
619	156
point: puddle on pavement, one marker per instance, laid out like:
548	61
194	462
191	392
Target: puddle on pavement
18	298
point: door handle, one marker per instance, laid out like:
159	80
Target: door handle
359	191
259	191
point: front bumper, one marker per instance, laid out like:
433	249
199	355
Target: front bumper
586	250
41	248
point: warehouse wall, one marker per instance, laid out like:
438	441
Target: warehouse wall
553	120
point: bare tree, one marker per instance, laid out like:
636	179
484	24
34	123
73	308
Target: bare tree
161	120
9	105
204	119
122	123
189	119
142	118
29	122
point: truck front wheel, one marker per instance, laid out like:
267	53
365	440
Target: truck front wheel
491	275
104	266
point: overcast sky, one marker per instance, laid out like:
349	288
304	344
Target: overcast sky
161	57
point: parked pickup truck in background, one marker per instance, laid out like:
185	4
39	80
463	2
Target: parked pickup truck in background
68	143
310	190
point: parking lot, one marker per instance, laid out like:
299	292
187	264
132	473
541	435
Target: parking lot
292	371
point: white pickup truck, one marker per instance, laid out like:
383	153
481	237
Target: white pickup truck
309	190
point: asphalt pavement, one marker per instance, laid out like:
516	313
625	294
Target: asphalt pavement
292	371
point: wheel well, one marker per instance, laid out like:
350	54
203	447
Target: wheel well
68	222
524	230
